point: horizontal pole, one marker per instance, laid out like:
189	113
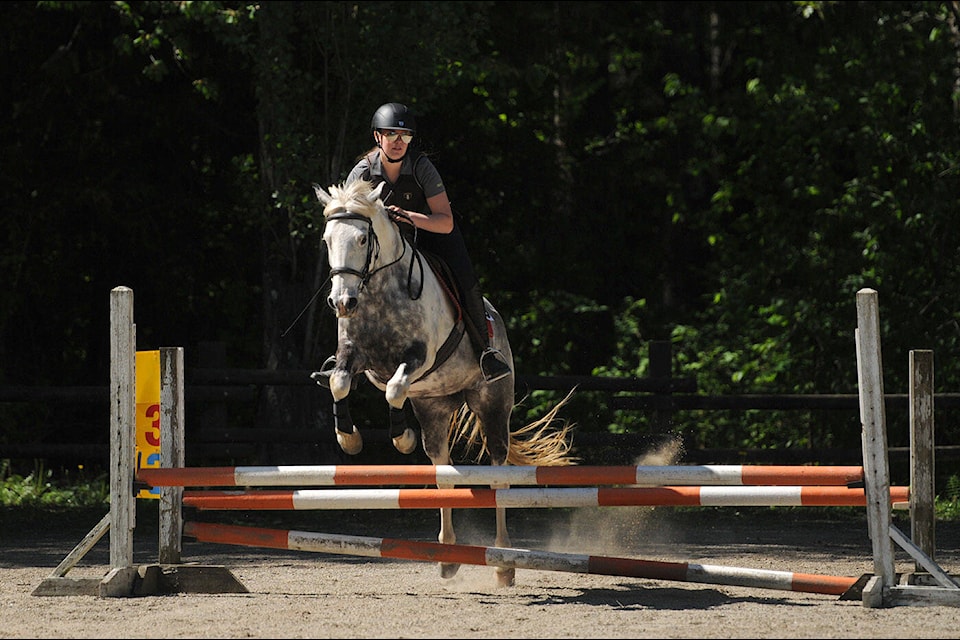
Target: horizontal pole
539	497
516	558
453	475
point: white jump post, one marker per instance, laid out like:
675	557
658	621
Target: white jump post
121	519
881	589
124	578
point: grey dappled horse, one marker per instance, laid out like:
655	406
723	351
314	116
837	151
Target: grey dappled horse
397	324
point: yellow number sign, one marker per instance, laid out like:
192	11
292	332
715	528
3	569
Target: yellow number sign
148	415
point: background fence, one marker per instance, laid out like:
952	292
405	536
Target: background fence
221	425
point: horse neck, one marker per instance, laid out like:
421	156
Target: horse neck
395	254
392	243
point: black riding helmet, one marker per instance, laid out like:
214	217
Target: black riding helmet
393	115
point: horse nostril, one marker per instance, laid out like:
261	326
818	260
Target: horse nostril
331	304
351	304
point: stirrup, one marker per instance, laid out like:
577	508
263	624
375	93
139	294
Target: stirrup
322	377
493	366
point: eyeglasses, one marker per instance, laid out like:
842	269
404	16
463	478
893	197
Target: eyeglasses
391	135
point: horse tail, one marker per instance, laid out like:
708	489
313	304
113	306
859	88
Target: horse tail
540	443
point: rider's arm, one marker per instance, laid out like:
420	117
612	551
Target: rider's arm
440	218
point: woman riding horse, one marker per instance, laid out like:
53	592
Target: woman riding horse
414	194
398	326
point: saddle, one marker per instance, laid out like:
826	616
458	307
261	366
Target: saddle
447	281
449	284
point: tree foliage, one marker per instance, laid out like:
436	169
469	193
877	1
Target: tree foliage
725	176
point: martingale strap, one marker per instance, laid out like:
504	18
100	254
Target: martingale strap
447	348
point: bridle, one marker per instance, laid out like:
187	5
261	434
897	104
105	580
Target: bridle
373	255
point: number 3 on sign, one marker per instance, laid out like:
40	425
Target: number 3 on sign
148	415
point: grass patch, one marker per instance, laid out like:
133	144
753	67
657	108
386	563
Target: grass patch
44	488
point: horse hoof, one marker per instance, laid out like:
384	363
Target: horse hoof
351	443
448	570
506	577
406	442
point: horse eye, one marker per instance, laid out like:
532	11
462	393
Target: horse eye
363	241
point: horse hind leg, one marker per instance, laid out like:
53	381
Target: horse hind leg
447	535
498	443
506	576
434	416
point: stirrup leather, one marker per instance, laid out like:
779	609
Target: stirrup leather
322	377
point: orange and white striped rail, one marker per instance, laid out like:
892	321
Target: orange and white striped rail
533	497
516	558
454	475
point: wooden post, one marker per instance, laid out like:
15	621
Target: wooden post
123	411
873	422
922	478
171	452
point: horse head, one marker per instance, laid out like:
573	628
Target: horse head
354	226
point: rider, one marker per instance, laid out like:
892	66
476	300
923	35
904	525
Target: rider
414	194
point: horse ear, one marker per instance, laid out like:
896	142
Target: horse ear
322	195
375	193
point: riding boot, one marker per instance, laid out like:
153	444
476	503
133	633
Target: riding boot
492	363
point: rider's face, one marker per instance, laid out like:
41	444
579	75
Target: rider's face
394	142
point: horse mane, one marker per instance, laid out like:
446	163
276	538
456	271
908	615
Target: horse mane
354	197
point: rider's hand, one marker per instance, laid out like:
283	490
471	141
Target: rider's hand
398	215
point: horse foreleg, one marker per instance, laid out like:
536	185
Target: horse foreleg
400	433
404	439
348	437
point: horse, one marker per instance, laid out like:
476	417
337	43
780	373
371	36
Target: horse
399	325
